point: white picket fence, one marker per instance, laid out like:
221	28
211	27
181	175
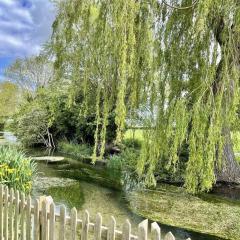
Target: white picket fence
22	218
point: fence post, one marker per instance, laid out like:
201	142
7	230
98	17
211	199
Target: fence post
52	222
85	225
73	223
6	213
126	230
169	236
155	231
28	218
1	211
98	227
11	214
16	218
22	212
111	229
44	221
36	228
62	222
143	230
44	204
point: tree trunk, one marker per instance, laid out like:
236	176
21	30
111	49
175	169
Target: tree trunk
230	170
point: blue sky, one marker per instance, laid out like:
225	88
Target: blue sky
24	26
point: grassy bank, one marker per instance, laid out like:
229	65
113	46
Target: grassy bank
172	206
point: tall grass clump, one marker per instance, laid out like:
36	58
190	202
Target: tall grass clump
16	169
75	150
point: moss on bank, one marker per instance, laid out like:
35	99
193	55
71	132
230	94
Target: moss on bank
172	206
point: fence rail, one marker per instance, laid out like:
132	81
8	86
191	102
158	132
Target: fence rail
22	218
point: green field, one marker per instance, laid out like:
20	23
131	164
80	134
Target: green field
134	134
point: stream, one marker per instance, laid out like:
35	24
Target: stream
64	183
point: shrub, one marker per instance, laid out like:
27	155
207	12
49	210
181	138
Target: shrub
31	126
126	160
123	167
132	143
16	170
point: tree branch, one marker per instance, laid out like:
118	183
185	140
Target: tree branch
180	8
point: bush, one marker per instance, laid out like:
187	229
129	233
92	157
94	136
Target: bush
76	150
126	160
86	127
132	143
16	170
31	126
123	167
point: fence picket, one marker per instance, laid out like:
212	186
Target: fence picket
169	236
16	217
143	230
85	225
126	230
52	222
62	222
98	227
73	223
1	210
6	213
22	212
111	229
28	218
36	221
44	221
155	231
11	214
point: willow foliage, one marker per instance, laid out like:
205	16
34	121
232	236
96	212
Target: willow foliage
182	66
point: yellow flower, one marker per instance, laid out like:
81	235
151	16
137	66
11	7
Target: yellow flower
11	170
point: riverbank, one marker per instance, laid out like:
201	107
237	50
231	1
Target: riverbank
171	205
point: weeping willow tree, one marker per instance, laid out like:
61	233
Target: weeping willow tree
179	59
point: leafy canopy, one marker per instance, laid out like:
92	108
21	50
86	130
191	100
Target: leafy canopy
182	66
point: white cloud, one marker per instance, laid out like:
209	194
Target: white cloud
24	26
9	3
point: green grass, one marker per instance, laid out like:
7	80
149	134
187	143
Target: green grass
134	134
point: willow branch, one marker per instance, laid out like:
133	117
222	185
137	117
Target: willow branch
180	8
